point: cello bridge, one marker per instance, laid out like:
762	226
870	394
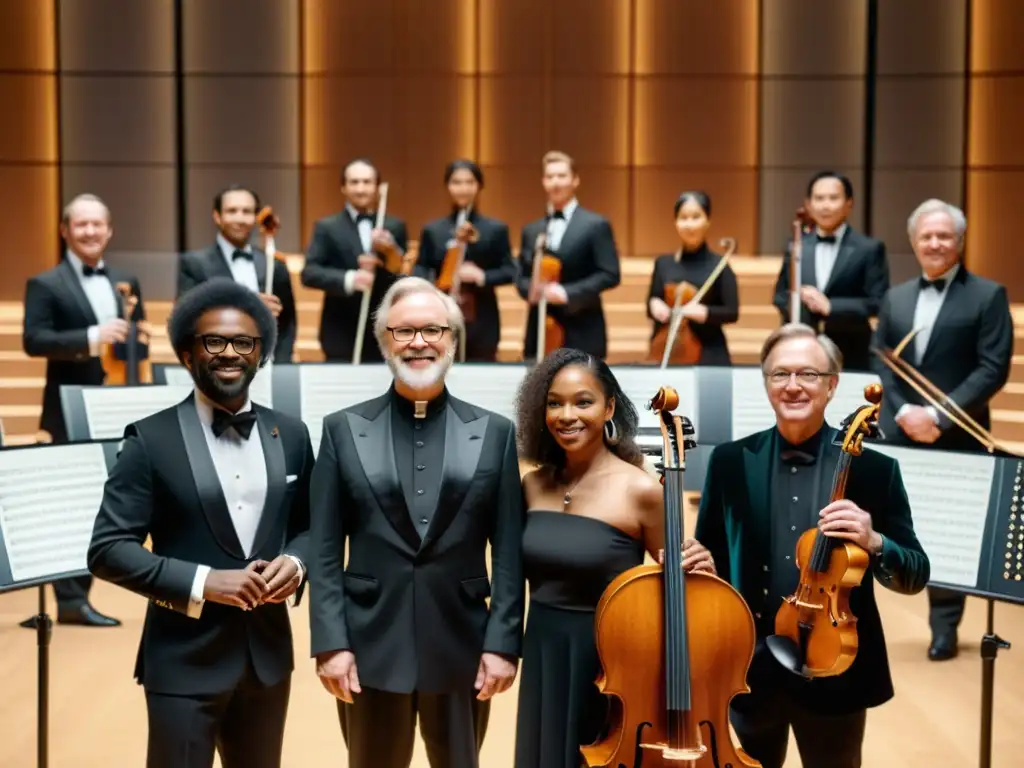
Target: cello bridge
680	755
815	606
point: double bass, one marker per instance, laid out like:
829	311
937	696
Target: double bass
127	362
546	269
673	686
815	630
675	342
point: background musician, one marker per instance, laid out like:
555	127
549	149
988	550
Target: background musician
222	486
233	256
488	261
760	495
348	255
584	244
964	346
843	274
693	263
71	313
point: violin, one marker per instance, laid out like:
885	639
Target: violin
392	262
802	222
675	343
448	277
815	630
673	687
547	268
269	224
128	362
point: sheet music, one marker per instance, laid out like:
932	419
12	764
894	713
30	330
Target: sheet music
260	390
949	497
641	385
46	516
849	396
330	387
110	409
493	387
751	411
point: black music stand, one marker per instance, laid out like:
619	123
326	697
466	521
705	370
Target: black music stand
42	457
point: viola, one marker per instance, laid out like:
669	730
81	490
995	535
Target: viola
815	630
127	362
673	687
547	268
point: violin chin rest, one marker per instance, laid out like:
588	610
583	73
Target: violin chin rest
787	653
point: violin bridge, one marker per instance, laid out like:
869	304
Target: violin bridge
682	755
814	606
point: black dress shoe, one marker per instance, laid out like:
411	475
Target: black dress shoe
86	616
943	647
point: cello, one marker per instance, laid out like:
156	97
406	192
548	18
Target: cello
815	630
546	269
127	362
675	342
673	686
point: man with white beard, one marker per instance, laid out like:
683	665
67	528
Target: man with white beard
417	482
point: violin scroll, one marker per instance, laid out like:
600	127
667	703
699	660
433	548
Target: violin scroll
863	423
268	221
667	399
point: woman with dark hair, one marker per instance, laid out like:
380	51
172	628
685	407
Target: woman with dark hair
487	263
592	513
693	263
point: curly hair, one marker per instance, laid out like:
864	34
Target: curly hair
219	293
536	443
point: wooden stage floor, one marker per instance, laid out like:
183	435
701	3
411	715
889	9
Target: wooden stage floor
98	718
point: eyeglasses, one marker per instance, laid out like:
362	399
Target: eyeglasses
430	333
779	378
243	345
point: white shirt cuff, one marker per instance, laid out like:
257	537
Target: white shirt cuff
302	576
93	334
350	281
933	412
196	599
902	411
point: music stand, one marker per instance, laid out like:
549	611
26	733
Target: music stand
34	504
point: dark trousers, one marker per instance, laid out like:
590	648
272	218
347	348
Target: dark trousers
824	741
945	610
380	728
245	726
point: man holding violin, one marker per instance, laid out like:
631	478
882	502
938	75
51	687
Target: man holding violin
752	528
71	313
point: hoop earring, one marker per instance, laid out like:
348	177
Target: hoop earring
611	433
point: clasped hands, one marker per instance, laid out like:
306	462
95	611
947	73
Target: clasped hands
258	583
918	424
662	312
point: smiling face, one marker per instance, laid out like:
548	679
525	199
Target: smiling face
828	203
798	380
420	345
936	243
87	230
237	216
577	409
560	183
360	186
225	355
692	224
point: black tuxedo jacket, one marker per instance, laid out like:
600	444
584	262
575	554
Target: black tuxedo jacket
57	318
590	265
334	250
415	613
734	523
493	254
968	356
855	288
165	485
196	267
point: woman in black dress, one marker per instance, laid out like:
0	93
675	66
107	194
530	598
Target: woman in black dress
487	264
693	263
593	510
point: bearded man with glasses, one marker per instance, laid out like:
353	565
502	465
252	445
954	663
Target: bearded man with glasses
760	495
418	483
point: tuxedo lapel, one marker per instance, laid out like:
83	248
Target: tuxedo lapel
376	451
71	282
259	261
903	307
350	232
277	478
757	468
955	296
574	230
204	474
463	442
844	259
808	270
216	264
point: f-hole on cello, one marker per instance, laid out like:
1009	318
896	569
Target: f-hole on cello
815	629
675	647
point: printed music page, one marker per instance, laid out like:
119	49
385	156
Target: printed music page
493	387
260	391
329	387
46	513
641	384
949	496
110	409
751	411
849	396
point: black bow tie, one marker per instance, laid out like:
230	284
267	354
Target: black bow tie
242	422
558	215
939	284
240	254
90	271
364	217
826	238
793	456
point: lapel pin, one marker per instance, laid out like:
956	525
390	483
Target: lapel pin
274	432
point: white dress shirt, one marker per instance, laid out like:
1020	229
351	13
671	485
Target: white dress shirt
825	255
557	227
242	270
242	471
99	292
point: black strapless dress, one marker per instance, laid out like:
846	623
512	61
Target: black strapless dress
569	560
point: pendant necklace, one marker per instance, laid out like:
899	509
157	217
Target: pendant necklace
568	494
